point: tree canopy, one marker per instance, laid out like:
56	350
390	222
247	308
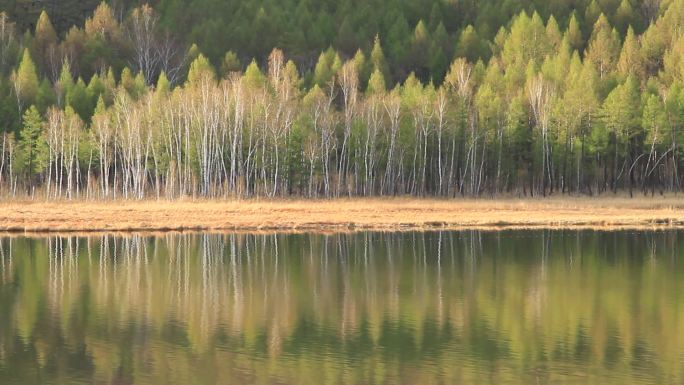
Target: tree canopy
219	98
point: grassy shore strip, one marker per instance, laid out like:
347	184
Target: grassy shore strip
340	215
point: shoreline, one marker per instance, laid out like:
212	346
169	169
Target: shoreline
340	215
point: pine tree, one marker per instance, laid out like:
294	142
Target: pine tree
438	64
253	75
163	86
32	155
46	96
653	46
418	58
553	34
673	63
398	43
621	117
96	88
45	40
45	33
592	13
527	42
376	83
64	84
378	60
470	46
78	99
200	68
363	67
26	81
326	67
346	36
104	39
603	47
574	34
630	61
230	64
625	16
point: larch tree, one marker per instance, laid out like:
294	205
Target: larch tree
574	34
621	116
32	146
527	110
604	47
46	47
26	81
630	62
378	59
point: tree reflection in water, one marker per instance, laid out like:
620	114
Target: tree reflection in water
400	308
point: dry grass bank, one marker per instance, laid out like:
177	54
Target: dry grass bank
341	215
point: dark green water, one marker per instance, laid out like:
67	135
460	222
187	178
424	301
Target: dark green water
536	307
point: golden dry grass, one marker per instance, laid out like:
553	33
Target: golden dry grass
340	215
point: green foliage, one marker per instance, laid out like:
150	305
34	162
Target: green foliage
527	44
631	61
10	118
328	64
574	34
303	28
200	68
378	60
31	158
419	59
470	45
620	114
135	85
376	83
45	33
96	88
253	75
26	80
64	84
46	96
625	16
163	86
605	77
45	40
230	64
519	132
363	67
604	47
654	120
79	100
398	42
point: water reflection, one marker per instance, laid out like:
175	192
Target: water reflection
386	308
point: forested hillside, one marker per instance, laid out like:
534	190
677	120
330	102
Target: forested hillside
322	98
304	28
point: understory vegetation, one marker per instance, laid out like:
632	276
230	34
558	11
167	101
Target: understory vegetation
125	106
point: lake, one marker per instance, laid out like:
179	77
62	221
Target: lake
510	307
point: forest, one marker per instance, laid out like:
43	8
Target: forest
213	99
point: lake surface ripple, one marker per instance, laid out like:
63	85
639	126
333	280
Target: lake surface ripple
511	307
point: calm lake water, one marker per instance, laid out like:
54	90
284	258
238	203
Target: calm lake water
513	307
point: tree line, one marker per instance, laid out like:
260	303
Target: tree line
547	112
